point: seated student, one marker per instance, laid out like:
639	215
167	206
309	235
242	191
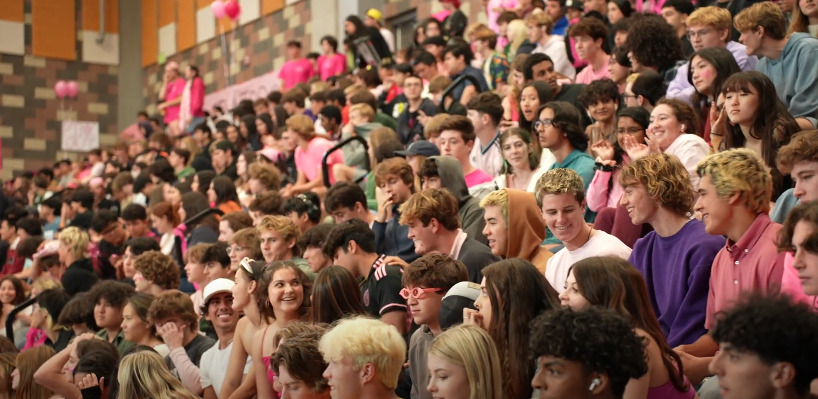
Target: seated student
311	243
365	358
304	210
263	179
279	241
770	336
463	362
346	200
81	204
216	262
109	297
79	273
797	239
361	124
175	319
136	326
734	198
588	354
265	204
562	198
434	227
443	172
50	215
299	366
514	226
11	239
366	97
785	59
394	178
457	140
133	248
106	223
799	159
351	245
135	217
485	110
458	58
309	149
50	304
155	273
425	282
218	310
675	258
232	222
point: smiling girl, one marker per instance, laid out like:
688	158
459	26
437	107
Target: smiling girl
521	161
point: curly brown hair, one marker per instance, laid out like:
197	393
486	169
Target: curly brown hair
159	268
665	179
263	296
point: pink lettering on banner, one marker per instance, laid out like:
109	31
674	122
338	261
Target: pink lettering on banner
80	136
252	89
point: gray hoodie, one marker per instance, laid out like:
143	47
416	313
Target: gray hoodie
452	179
354	153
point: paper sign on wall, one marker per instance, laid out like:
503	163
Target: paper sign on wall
80	136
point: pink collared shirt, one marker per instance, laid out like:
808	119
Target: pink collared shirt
294	72
751	264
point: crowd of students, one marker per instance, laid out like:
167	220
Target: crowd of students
614	204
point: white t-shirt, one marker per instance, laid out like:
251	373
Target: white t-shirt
600	244
690	149
490	161
213	366
556	49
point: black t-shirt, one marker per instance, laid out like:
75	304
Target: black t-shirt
381	289
194	350
106	250
570	93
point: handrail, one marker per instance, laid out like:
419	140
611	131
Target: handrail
201	215
325	167
11	316
454	84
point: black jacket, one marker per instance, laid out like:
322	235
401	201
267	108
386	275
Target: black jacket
476	255
79	277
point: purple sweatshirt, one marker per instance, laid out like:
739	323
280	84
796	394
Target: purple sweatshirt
677	273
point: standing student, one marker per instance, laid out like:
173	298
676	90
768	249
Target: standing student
425	282
734	199
297	69
676	256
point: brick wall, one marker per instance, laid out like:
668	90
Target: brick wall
257	47
30	116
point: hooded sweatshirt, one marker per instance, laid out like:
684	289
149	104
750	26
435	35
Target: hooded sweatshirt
354	152
526	229
471	214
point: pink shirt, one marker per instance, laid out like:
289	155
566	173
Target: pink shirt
173	91
588	75
476	177
329	66
309	161
604	190
751	264
295	71
791	284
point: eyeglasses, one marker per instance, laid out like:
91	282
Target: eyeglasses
630	130
693	34
417	292
542	123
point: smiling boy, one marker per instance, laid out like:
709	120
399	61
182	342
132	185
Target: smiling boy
426	281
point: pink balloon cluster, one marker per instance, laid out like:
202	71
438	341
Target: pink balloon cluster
66	89
226	8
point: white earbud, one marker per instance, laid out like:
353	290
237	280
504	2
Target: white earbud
595	384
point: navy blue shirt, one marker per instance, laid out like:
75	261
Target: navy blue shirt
472	71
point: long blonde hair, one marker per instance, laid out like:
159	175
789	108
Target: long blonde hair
144	375
472	348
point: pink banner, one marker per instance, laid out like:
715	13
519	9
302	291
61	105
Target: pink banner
252	89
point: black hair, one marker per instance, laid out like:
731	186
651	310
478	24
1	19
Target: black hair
331	40
100	363
682	6
307	202
134	212
53	301
217	252
31	225
114	292
315	236
54	203
459	50
344	194
624	6
185	154
331	112
225	190
161	168
102	219
567	118
268	122
140	245
620	55
600	339
599	90
776	329
84	196
653	42
425	58
530	61
338	96
352	230
649	85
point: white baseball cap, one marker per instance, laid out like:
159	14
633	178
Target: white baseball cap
217	286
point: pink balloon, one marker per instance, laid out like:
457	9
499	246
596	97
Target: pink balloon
61	88
232	9
73	88
217	6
